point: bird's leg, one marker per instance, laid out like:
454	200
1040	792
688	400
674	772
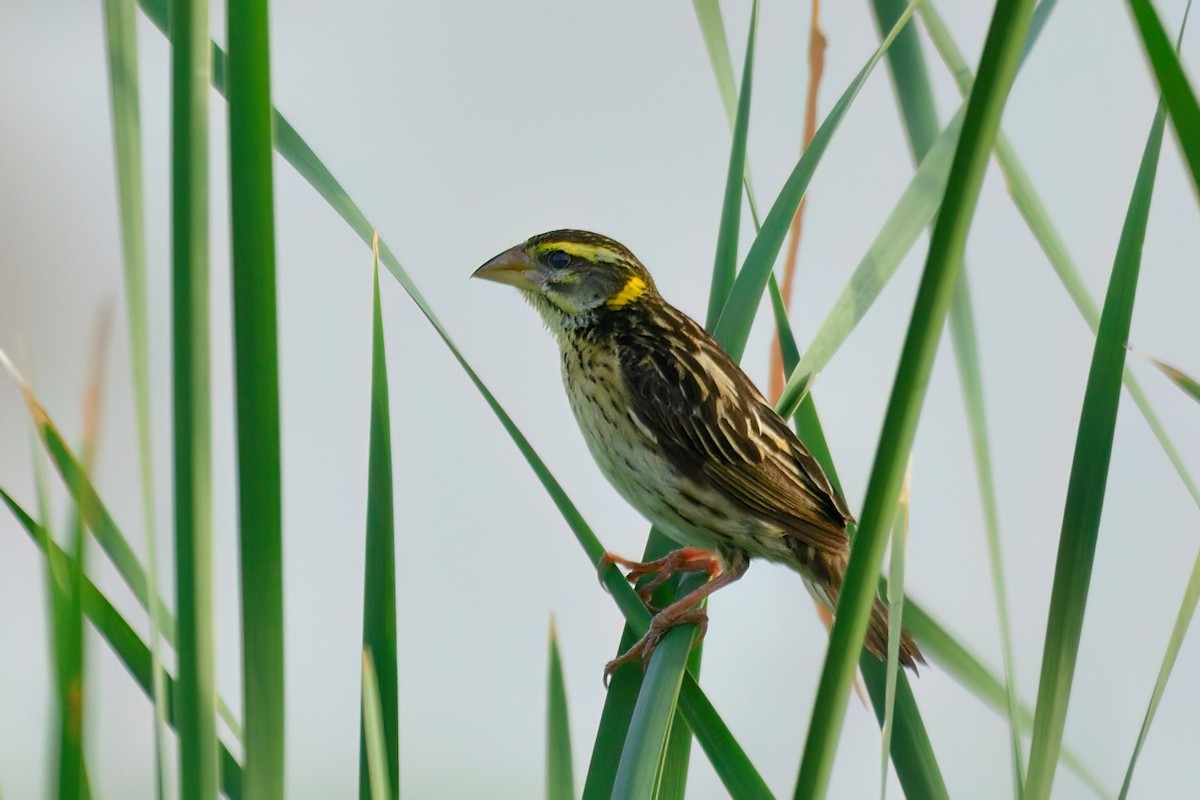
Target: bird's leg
685	559
686	610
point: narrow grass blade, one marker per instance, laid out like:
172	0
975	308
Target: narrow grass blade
122	638
95	515
966	352
1089	475
911	751
725	263
733	327
912	213
1187	609
1006	34
379	583
619	701
120	22
1177	93
257	395
1033	211
560	774
895	601
1186	382
915	95
948	654
380	787
645	743
69	672
712	27
190	68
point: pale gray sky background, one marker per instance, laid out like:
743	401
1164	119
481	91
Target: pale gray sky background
461	128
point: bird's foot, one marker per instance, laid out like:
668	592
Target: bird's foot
662	622
685	559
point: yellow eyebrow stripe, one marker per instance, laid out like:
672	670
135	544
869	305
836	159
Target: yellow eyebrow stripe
589	252
631	291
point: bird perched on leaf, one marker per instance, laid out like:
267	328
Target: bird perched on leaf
682	433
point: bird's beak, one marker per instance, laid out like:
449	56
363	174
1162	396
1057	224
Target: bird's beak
513	267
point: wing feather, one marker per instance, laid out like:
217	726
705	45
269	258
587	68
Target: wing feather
718	428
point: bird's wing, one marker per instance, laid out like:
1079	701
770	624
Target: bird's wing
715	425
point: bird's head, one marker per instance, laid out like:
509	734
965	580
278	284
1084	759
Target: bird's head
573	278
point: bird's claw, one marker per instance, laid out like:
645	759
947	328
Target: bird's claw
660	624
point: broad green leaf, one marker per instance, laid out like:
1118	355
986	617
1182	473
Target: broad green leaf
378	784
256	363
998	68
379	582
733	327
560	779
1089	475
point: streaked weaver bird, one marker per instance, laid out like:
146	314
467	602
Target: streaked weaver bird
682	433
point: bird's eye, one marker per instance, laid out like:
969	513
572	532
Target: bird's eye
558	259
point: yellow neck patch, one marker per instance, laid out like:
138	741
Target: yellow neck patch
632	290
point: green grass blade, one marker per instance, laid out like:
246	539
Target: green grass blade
1177	93
948	654
915	96
998	68
911	751
257	397
560	774
895	602
725	263
379	786
1089	474
1187	609
1033	211
379	583
122	638
966	352
120	19
733	327
912	213
190	68
619	701
712	27
96	516
645	743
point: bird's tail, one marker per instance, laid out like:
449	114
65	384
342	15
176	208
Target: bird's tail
826	591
